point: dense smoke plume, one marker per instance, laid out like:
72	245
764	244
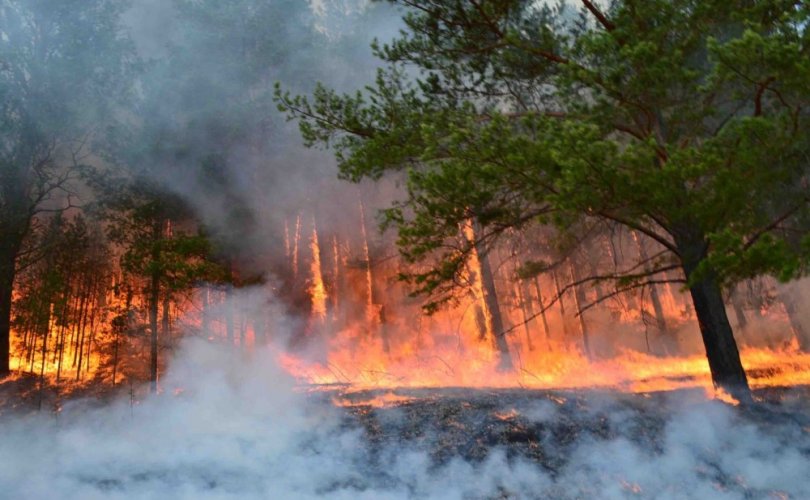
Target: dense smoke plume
246	171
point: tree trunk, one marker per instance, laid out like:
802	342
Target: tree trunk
560	299
229	325
6	286
801	333
204	319
154	292
154	302
718	338
8	265
45	332
527	310
546	331
165	321
739	311
658	309
494	317
579	299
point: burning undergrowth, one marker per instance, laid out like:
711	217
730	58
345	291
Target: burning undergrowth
234	425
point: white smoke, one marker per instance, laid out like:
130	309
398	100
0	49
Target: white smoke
232	424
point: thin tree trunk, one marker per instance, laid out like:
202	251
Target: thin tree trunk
493	308
801	333
165	321
560	299
229	327
546	330
660	318
94	310
205	321
739	311
88	304
579	299
45	332
63	316
527	309
115	355
480	320
154	302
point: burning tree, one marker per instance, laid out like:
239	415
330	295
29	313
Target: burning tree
158	258
685	122
56	95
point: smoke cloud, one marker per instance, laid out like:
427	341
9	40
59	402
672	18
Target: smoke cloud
232	424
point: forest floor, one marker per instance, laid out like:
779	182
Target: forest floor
20	394
469	423
551	428
414	443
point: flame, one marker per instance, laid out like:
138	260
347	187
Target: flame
365	366
317	290
375	337
447	350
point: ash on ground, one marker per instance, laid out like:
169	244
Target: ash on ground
597	444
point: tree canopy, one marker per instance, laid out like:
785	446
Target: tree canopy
685	121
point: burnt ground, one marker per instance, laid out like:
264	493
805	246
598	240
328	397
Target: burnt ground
546	427
21	394
547	443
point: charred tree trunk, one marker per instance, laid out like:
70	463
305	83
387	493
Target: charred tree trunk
204	319
480	321
10	244
527	309
154	303
45	331
13	229
561	300
7	267
658	309
493	308
739	311
154	296
579	299
165	320
718	338
229	321
546	330
801	333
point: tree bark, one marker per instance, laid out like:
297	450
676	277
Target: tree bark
9	249
229	321
561	300
739	310
801	333
527	309
658	309
579	299
6	287
154	302
546	330
494	318
718	338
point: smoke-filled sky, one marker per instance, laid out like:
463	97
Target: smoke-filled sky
262	173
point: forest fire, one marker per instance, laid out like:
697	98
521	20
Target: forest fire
363	332
454	347
514	249
366	366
